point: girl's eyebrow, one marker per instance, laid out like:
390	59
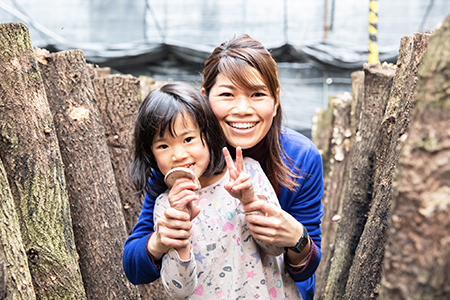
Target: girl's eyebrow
182	133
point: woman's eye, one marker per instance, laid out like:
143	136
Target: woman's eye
226	95
258	95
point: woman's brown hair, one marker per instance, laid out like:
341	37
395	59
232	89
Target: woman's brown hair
234	59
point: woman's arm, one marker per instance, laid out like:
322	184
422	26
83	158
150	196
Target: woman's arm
139	266
145	247
302	207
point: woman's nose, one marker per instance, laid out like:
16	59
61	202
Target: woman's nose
242	105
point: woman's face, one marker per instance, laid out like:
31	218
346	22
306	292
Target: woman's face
245	115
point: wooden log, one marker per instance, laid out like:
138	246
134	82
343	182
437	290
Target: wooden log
95	71
365	274
118	99
15	280
321	132
332	200
417	257
357	96
98	222
2	278
149	84
30	153
358	192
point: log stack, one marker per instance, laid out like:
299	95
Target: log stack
387	241
67	204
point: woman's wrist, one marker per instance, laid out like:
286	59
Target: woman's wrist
152	247
297	258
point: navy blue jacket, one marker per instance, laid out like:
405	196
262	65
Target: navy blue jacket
305	205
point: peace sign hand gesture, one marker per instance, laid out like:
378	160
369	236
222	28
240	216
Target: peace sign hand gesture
240	185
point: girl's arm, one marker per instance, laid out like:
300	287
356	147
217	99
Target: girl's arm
178	268
179	276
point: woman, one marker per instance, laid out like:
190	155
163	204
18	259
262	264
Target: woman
241	83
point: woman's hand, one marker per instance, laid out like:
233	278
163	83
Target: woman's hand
240	185
173	230
276	227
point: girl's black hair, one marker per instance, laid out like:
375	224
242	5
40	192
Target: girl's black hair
157	114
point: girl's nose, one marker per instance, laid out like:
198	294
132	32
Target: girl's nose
179	153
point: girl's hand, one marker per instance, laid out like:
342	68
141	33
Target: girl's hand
240	184
182	195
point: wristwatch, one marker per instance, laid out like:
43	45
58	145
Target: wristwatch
302	242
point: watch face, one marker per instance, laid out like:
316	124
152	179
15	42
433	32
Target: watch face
302	242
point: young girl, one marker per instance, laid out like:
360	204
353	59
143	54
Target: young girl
216	256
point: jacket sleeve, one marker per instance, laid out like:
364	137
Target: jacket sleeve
139	266
305	204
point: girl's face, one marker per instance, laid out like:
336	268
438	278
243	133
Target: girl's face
184	150
245	115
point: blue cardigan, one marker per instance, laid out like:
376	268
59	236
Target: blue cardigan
305	205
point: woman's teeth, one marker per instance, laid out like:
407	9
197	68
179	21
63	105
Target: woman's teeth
242	125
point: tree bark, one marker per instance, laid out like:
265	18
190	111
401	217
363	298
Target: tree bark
30	153
332	200
358	192
417	257
98	222
357	95
118	99
2	278
15	281
321	132
365	274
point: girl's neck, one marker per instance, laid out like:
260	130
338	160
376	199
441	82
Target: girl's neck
207	181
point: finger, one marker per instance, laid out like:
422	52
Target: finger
239	159
195	210
228	159
174	214
263	205
183	183
183	204
243	180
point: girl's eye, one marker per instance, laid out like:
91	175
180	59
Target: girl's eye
162	147
188	139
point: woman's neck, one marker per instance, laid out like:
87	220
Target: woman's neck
256	152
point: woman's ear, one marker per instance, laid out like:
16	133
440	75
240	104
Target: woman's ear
277	103
203	91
